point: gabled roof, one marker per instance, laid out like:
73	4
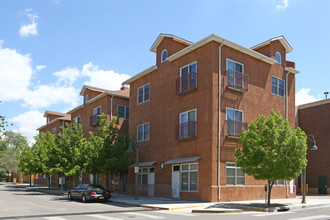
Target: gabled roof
313	104
54	113
124	92
139	75
161	37
282	39
65	118
75	109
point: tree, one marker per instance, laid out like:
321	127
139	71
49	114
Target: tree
272	150
3	123
29	162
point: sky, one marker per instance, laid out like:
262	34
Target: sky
50	48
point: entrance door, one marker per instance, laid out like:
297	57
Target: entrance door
176	181
151	181
323	185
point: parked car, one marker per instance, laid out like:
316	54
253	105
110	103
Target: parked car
89	192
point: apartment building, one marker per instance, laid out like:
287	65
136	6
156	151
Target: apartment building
95	101
187	120
314	119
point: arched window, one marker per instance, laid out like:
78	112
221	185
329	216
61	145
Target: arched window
278	57
86	99
164	55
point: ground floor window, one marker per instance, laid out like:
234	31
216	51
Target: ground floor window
189	177
279	182
234	175
143	174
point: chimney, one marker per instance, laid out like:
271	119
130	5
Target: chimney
124	88
326	95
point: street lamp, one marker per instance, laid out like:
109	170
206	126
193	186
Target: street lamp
136	167
313	147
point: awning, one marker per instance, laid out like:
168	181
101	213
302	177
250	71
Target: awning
182	160
144	164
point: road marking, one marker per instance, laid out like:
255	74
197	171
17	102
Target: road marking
103	217
311	217
54	218
272	213
143	215
174	213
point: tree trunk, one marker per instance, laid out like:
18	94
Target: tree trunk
270	186
49	181
30	179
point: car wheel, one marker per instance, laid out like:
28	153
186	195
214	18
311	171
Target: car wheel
69	196
83	198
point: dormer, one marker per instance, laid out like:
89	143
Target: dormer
51	115
275	48
89	92
167	45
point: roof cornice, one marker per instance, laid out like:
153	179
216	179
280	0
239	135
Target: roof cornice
52	121
139	75
162	36
75	109
292	70
282	39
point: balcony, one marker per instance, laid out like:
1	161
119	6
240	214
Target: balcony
186	130
237	80
234	128
94	121
186	83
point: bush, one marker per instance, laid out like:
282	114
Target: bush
3	176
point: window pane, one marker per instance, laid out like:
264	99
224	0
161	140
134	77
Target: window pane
184	181
230	65
230	180
191	115
281	84
278	57
164	55
146	131
274	90
274	81
183	118
230	172
146	92
240	180
145	170
238	67
139	179
193	68
140	133
193	181
238	116
140	95
144	179
240	172
127	113
151	169
121	111
281	92
185	167
194	166
184	71
230	114
176	168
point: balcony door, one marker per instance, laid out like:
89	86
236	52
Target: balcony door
236	73
186	76
185	120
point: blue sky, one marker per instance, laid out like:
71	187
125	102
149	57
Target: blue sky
50	48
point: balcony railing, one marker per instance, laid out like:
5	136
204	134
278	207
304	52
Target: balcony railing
94	121
234	128
237	80
186	130
186	83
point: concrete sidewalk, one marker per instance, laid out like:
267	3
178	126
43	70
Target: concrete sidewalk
205	207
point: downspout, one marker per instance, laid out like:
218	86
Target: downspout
111	107
219	121
287	116
109	174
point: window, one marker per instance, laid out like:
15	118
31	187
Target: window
234	175
189	177
97	111
143	132
235	66
279	182
86	98
123	112
187	127
278	57
53	130
234	114
188	78
164	55
144	93
48	119
234	122
143	176
78	119
277	86
236	78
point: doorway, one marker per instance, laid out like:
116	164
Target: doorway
323	184
176	181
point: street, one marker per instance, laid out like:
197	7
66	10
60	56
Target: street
19	203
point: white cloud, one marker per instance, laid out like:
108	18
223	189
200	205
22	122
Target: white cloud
40	67
284	6
303	97
106	79
28	122
15	74
68	76
31	28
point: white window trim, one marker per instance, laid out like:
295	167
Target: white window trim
187	171
189	64
143	94
227	59
235	110
161	56
125	111
235	167
97	108
280	57
277	86
195	109
137	132
77	118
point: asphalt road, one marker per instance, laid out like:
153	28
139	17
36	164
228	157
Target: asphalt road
19	203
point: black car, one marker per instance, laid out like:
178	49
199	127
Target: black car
89	192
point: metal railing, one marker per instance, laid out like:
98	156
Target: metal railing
186	130
237	80
234	128
186	83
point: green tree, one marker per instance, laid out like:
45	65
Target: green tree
272	150
3	123
29	162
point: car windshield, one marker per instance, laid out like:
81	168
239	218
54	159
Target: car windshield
95	187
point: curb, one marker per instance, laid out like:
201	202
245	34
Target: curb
153	206
272	209
217	211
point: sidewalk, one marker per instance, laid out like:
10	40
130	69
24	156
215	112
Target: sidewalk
205	207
